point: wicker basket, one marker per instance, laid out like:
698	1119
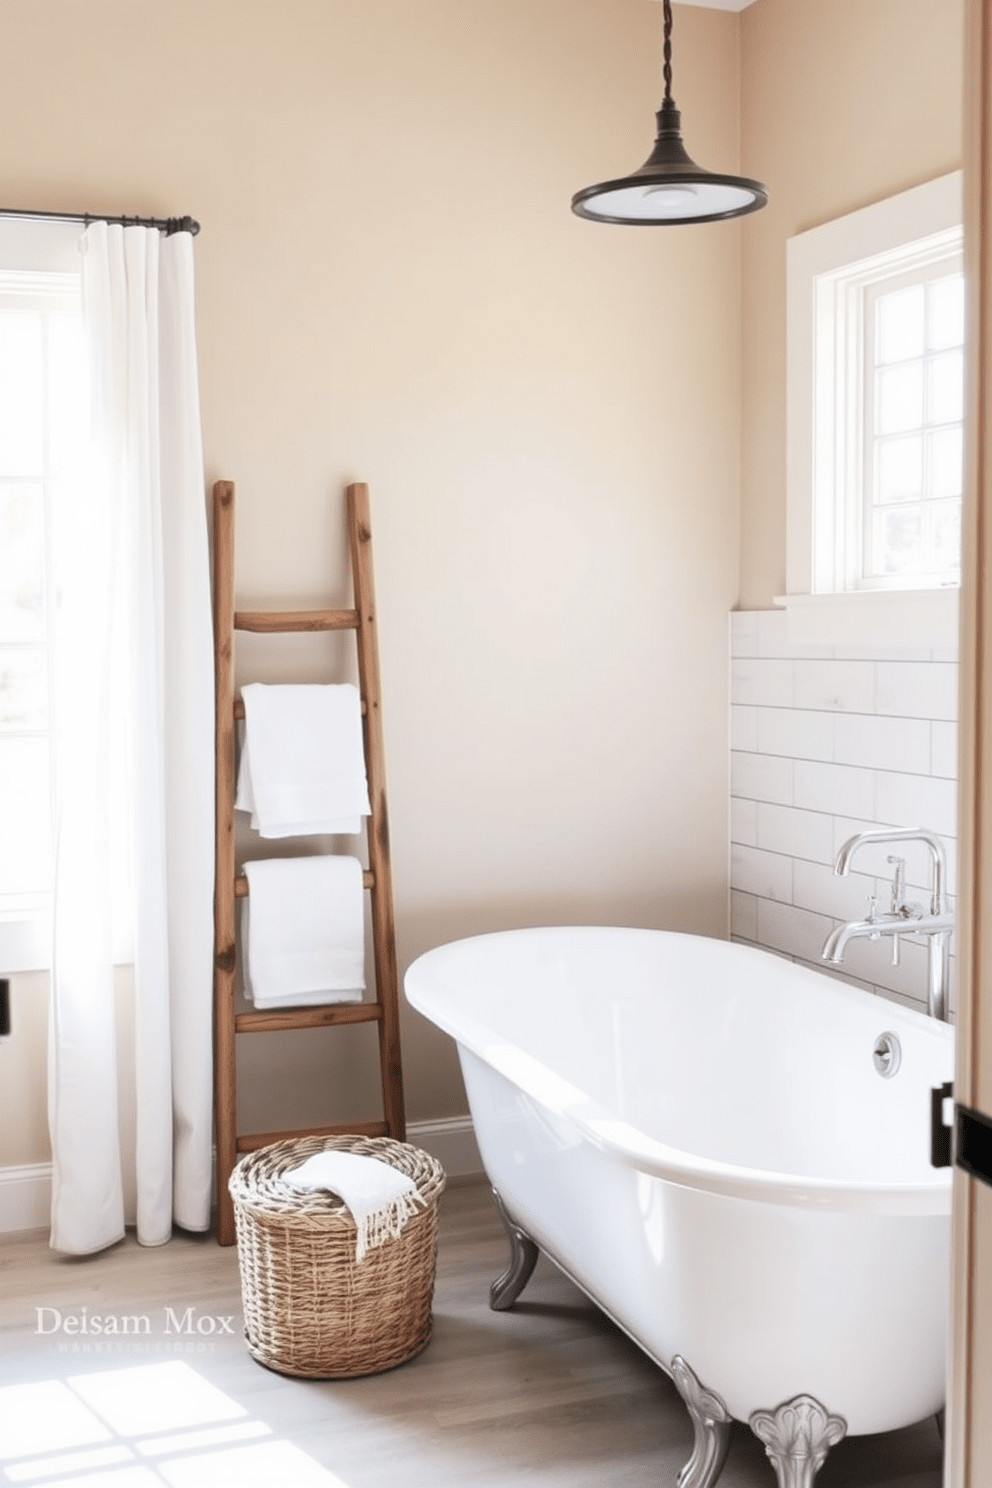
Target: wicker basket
310	1308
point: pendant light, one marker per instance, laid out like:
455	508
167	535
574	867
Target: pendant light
669	187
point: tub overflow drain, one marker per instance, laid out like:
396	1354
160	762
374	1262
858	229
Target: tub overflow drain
887	1054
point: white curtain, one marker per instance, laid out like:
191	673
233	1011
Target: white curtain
133	687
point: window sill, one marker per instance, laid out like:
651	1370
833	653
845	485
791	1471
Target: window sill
905	619
25	941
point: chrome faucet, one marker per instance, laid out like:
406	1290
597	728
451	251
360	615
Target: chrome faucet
903	916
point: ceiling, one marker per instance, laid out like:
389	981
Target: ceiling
717	4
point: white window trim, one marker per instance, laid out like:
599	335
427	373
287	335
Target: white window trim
829	259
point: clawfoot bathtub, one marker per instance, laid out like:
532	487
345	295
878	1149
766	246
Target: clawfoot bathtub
730	1155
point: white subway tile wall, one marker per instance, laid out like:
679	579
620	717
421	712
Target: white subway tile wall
824	745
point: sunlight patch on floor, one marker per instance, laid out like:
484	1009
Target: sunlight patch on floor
154	1397
68	1462
146	1410
126	1477
45	1417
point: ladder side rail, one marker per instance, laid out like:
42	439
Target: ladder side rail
381	891
225	936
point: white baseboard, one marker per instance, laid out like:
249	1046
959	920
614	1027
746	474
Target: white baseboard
452	1142
26	1190
26	1197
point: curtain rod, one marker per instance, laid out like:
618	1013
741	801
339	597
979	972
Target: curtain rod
167	225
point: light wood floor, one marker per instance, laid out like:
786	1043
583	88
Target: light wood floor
550	1394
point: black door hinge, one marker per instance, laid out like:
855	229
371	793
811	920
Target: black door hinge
966	1142
973	1143
941	1132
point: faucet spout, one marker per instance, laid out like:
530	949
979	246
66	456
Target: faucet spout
838	940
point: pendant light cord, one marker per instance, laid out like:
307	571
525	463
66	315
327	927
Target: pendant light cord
668	50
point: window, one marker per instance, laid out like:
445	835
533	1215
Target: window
42	412
875	412
913	445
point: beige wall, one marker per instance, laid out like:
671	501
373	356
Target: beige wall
391	288
843	102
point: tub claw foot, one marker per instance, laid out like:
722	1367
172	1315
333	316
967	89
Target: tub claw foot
797	1437
523	1258
711	1423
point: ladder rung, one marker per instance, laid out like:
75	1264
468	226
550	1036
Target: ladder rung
272	1020
241	883
239	708
253	1141
275	622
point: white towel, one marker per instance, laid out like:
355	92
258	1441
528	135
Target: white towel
303	924
303	761
381	1199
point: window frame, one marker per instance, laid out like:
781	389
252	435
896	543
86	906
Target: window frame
827	270
25	915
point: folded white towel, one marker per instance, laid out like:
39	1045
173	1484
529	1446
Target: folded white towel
303	924
303	762
381	1199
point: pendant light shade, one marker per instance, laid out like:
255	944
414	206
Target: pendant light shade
669	187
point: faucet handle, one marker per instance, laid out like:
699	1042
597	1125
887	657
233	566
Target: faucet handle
898	883
871	916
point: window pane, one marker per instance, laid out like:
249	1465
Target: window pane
21	394
946	313
944	536
945	378
946	462
900	469
23	688
22	563
897	544
68	409
899	398
25	816
900	325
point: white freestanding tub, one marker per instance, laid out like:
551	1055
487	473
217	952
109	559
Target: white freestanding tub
700	1135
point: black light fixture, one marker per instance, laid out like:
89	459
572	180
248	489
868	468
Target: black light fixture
669	188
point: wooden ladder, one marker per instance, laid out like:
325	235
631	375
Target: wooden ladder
229	886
